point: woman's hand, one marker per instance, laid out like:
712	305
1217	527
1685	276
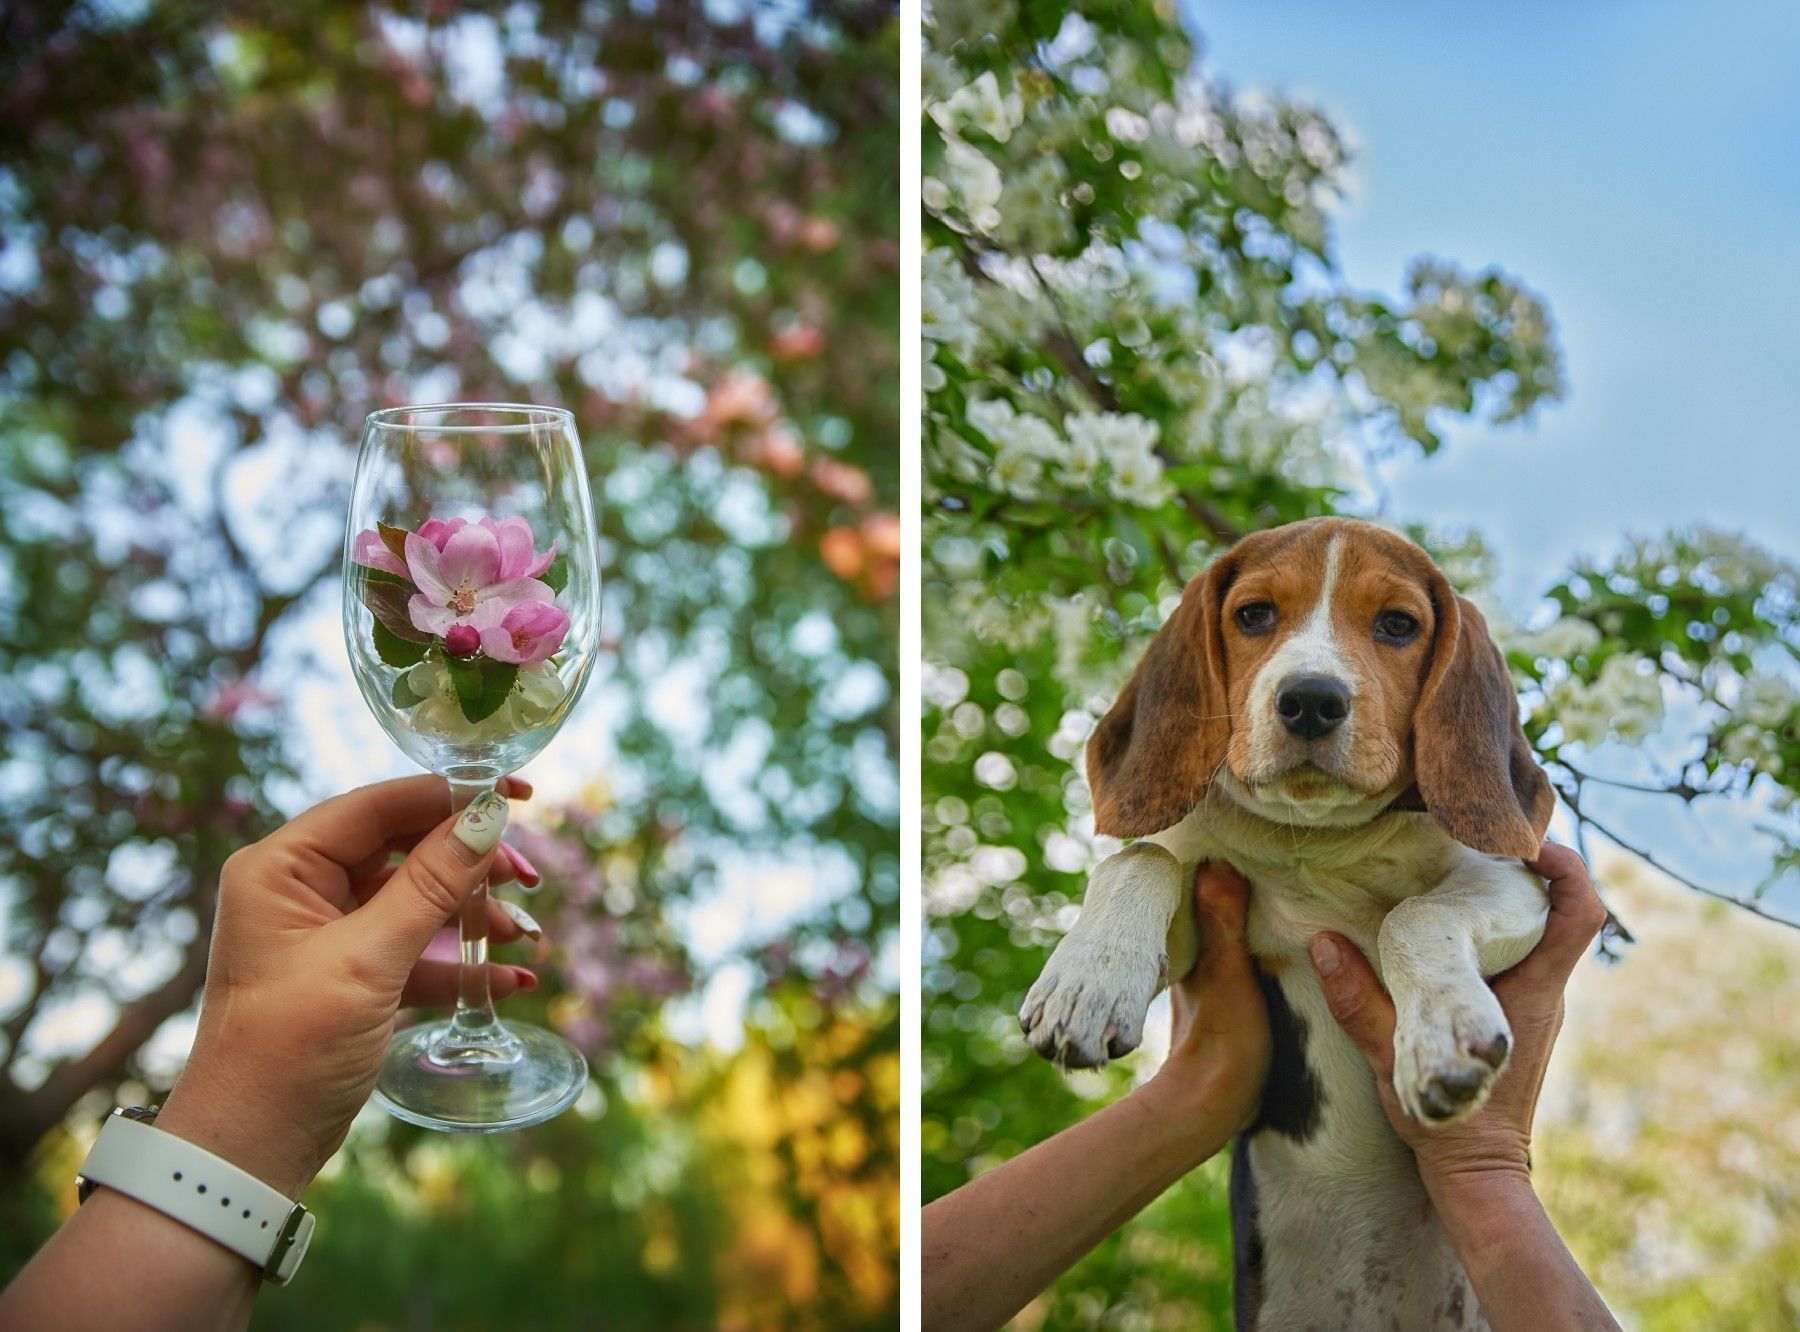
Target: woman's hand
1498	1138
1478	1172
990	1246
1219	1038
316	946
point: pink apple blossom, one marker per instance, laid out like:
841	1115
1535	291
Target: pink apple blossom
438	532
462	640
372	552
529	632
482	571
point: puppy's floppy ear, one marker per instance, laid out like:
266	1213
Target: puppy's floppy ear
1150	759
1475	770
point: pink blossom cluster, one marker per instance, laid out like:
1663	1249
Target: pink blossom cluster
477	587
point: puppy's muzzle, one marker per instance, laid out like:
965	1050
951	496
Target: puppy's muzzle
1311	706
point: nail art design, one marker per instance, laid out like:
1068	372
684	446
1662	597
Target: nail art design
519	916
528	872
479	826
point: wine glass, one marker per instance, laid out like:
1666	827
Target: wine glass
471	611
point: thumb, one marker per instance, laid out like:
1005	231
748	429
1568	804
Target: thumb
447	865
1354	994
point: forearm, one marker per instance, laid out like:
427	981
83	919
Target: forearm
116	1254
117	1263
1523	1274
992	1245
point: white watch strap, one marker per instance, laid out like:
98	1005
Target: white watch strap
203	1192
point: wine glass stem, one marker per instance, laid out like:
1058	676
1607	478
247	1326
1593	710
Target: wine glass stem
474	1020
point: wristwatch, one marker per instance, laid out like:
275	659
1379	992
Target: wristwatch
200	1190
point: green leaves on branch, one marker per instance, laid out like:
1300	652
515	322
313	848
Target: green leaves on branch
386	600
402	693
482	685
395	650
557	575
394	538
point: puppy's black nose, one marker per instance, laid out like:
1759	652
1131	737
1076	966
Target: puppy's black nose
1312	705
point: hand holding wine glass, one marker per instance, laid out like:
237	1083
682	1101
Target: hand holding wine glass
471	593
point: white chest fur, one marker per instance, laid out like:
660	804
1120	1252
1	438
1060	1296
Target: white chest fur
1346	1236
1342	1233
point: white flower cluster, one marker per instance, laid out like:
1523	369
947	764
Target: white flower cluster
1727	560
1114	449
970	184
1623	703
534	697
1753	748
1033	217
979	105
948	310
1569	636
1766	700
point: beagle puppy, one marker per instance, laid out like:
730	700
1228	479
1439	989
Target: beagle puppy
1325	714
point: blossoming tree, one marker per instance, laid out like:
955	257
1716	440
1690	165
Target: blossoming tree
229	236
1138	347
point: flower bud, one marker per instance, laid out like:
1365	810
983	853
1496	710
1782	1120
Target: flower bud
462	640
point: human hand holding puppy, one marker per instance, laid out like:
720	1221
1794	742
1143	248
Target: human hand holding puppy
1478	1171
993	1244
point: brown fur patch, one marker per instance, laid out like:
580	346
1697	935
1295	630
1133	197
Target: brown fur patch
1441	704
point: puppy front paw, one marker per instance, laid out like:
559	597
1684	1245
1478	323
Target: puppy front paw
1088	1005
1450	1048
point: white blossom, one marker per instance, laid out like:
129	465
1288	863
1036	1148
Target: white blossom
1623	703
982	105
1754	748
1568	637
970	182
535	693
947	304
1116	436
1021	443
1766	700
1033	215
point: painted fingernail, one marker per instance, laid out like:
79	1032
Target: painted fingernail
528	872
519	916
1325	955
527	979
479	826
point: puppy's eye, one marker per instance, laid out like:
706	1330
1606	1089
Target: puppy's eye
1392	626
1256	617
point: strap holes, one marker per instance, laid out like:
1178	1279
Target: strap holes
246	1214
177	1176
202	1188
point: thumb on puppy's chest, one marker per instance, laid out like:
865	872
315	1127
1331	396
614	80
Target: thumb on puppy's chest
1325	955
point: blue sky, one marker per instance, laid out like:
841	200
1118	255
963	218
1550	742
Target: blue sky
1638	164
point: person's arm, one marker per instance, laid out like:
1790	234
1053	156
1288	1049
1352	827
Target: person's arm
989	1247
316	946
1478	1172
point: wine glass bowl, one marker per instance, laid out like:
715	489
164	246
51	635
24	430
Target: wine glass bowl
471	616
429	472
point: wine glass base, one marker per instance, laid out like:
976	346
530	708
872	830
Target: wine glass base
517	1076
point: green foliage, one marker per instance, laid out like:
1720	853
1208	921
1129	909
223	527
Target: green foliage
232	234
386	599
482	684
556	577
398	651
1138	347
